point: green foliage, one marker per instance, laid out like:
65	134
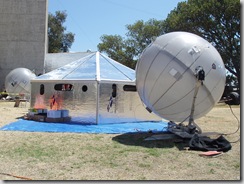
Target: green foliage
217	21
142	33
115	47
127	51
58	39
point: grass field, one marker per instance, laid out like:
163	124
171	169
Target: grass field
76	156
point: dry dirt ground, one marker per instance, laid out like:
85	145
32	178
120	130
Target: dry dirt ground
79	156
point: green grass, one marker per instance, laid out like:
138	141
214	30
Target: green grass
237	166
37	152
155	152
66	154
212	171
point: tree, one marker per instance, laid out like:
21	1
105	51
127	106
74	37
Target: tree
58	39
139	36
113	46
217	21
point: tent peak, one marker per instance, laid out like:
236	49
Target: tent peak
92	66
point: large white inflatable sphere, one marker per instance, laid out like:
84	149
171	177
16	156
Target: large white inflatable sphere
166	76
18	80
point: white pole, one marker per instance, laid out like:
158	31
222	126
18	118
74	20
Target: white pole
98	84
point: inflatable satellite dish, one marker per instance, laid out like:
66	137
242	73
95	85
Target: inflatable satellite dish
18	80
180	77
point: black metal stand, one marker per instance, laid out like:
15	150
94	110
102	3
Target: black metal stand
192	128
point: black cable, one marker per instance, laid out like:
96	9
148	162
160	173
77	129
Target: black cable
237	127
237	122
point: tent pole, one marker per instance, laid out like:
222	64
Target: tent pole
98	84
97	108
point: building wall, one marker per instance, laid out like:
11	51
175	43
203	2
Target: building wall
23	34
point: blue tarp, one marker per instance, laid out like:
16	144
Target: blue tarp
34	126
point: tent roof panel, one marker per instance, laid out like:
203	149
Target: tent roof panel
57	60
91	67
114	70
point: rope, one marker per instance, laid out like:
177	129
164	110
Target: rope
20	177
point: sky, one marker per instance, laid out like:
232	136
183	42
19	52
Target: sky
91	19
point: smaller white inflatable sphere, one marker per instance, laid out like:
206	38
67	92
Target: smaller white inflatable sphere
18	80
166	76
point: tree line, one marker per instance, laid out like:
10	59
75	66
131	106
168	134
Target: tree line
217	21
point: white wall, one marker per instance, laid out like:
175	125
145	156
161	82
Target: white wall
23	30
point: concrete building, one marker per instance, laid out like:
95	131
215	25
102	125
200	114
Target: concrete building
23	34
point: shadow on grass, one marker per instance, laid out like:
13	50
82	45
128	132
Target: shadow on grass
138	139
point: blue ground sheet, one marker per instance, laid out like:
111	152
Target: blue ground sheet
118	128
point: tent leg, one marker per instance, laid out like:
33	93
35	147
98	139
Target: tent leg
97	108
